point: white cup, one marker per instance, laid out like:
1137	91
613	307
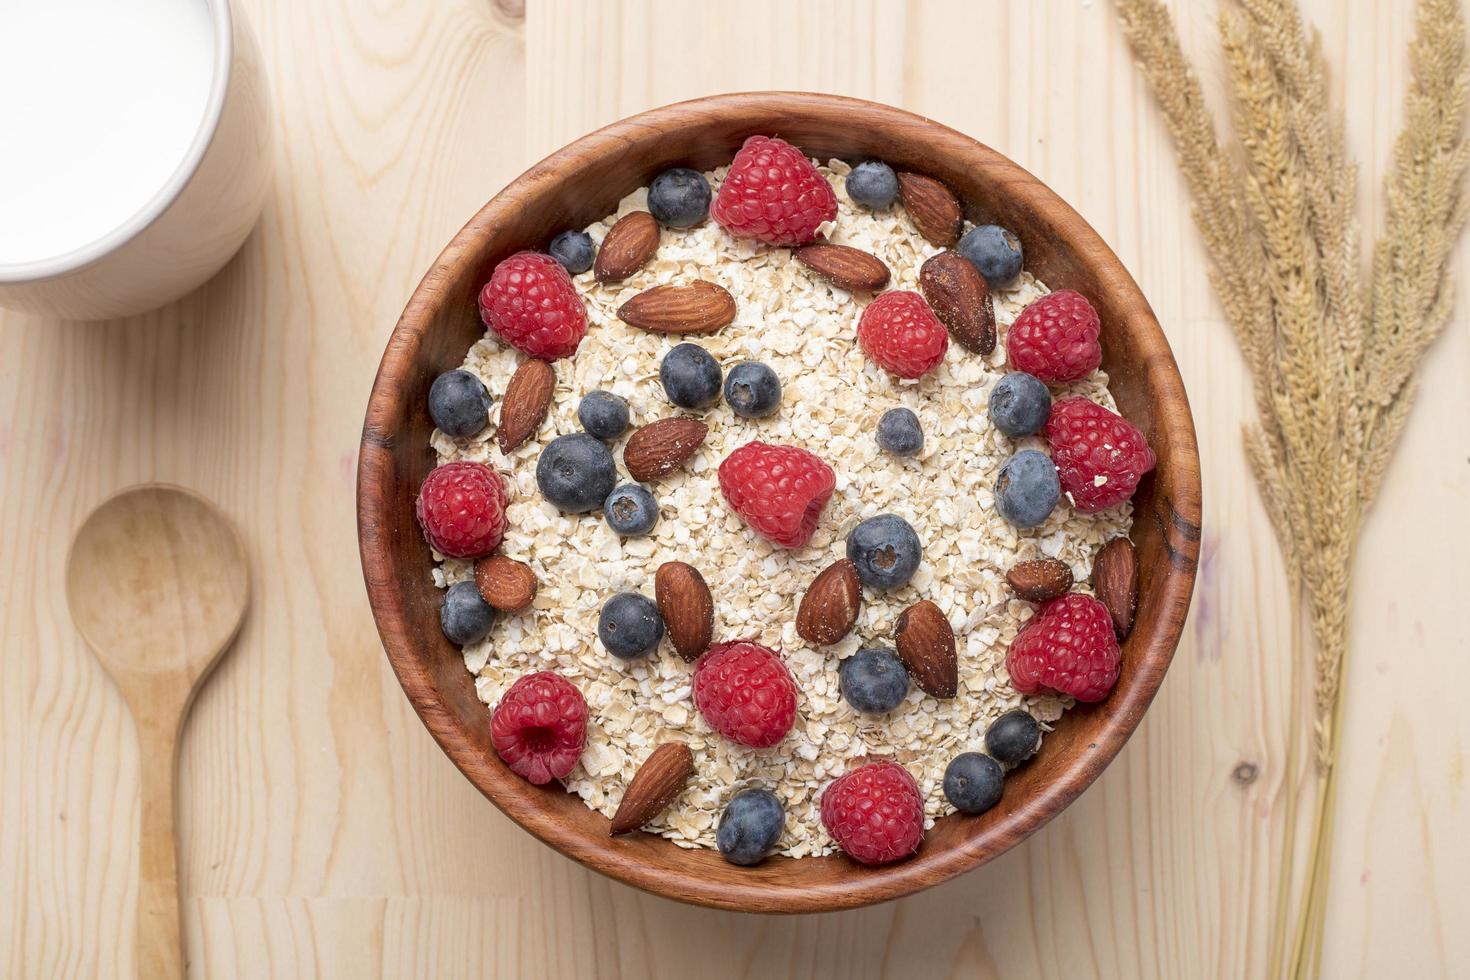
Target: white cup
134	151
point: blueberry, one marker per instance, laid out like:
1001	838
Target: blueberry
872	184
629	625
995	251
679	198
1013	737
1019	404
972	782
630	510
753	390
899	433
576	473
750	826
873	681
459	404
465	616
603	414
690	376
885	550
1027	489
574	250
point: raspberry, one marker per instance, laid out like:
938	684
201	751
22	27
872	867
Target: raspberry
778	490
540	726
531	303
1068	648
875	812
1055	338
461	508
773	194
745	693
902	335
1099	456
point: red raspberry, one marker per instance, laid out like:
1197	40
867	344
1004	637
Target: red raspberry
1069	648
540	726
875	812
778	490
773	194
461	508
1055	338
902	335
1100	457
745	693
531	303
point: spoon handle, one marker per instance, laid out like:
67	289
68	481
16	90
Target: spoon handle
160	951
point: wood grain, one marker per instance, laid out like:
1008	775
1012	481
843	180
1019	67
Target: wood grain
321	830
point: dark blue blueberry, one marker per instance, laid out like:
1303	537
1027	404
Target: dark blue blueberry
629	625
679	198
459	404
690	376
576	473
1019	404
465	616
574	250
630	510
1027	489
873	681
995	251
973	782
603	414
885	550
899	433
750	826
1013	737
753	390
873	185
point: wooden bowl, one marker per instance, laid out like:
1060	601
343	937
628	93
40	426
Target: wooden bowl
579	185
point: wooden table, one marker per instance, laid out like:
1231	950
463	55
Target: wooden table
323	833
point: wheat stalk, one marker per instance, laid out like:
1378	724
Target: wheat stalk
1333	364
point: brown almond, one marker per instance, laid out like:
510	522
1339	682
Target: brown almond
1115	581
830	607
926	647
686	606
700	307
844	267
505	583
934	209
961	299
661	777
1040	580
628	245
661	447
527	398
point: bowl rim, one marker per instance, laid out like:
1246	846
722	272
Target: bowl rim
519	800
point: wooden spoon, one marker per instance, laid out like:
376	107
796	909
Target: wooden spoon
157	584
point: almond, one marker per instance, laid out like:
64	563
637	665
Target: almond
1115	581
659	448
628	245
700	307
686	606
926	647
934	210
505	583
830	607
961	300
524	406
844	267
654	786
1040	580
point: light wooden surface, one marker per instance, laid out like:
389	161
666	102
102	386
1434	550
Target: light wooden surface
321	831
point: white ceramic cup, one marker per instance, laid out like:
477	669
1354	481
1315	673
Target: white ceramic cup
196	218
